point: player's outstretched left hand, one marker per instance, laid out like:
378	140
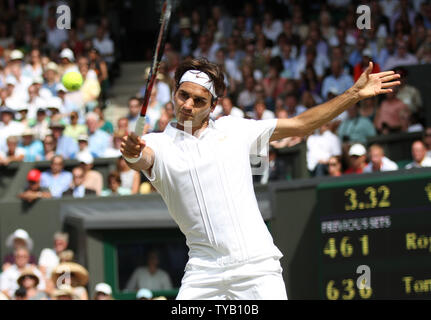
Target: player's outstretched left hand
372	84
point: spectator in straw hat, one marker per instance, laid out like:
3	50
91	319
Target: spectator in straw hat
103	291
40	124
83	146
64	292
34	190
184	42
66	256
8	279
51	77
73	274
29	280
19	238
22	114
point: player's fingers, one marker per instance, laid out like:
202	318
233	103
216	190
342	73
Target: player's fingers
370	68
390	84
384	74
132	141
142	143
385	91
133	137
390	77
129	147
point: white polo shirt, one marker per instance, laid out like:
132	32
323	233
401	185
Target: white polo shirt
207	185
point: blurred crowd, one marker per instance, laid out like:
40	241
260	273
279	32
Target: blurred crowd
278	59
55	275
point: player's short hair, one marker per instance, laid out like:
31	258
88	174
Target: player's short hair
211	69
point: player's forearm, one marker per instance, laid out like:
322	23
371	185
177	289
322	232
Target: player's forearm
145	162
314	118
325	112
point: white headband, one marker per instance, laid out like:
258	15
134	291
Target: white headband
200	78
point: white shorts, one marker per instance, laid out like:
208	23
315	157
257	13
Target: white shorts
252	281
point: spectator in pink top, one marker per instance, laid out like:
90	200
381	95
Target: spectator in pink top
392	115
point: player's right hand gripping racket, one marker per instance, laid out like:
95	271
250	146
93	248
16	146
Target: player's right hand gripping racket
160	45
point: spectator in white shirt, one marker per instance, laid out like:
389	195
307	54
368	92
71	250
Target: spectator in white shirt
49	258
150	277
9	278
247	97
271	28
8	127
321	146
419	155
35	101
13	152
19	81
34	68
105	45
378	160
260	112
227	109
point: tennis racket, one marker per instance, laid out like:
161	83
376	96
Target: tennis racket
160	45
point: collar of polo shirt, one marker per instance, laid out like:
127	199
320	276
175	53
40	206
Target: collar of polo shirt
173	132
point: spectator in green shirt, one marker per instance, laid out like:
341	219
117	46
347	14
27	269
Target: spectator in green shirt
74	129
356	128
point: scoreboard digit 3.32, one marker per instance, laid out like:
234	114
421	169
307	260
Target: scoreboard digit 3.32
375	238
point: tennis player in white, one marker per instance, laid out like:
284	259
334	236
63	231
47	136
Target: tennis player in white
202	170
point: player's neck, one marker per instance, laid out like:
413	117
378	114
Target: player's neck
195	131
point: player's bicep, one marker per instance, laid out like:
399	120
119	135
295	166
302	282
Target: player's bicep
292	127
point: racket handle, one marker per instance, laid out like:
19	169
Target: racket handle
139	127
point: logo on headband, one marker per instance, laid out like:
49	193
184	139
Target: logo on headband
199	77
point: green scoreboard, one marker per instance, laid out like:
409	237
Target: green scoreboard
375	237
